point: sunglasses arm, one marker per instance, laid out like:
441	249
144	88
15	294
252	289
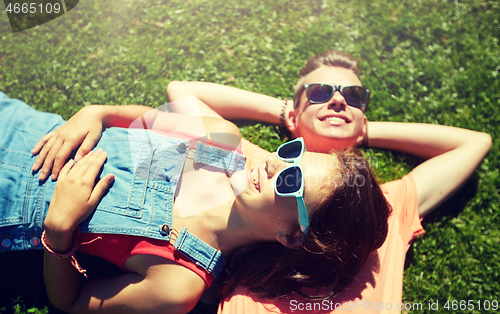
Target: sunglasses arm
303	218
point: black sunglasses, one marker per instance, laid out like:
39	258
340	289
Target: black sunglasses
355	96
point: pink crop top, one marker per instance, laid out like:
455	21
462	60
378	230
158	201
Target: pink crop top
117	248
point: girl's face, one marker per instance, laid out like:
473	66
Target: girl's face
333	124
275	212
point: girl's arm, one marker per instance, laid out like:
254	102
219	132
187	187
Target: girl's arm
164	288
74	199
452	156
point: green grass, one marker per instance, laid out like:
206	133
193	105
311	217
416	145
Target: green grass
427	61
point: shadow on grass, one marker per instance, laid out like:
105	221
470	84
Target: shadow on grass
22	282
451	208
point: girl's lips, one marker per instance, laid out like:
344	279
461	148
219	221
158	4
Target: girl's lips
254	178
258	177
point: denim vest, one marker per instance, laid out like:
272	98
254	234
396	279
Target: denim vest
140	202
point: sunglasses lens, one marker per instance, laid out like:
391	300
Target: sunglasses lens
355	96
319	93
289	181
290	150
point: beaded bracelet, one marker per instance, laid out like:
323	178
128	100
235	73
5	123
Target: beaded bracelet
70	254
283	109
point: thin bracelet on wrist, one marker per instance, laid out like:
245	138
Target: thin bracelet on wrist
71	253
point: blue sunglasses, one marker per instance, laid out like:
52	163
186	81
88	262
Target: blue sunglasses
290	181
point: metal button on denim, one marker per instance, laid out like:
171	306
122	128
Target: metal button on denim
164	229
6	243
181	147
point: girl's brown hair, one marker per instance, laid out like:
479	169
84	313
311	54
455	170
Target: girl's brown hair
332	58
349	225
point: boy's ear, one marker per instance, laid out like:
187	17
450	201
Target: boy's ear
292	122
290	241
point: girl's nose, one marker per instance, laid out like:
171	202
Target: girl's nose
274	165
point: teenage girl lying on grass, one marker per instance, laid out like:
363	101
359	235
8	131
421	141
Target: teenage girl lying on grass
143	214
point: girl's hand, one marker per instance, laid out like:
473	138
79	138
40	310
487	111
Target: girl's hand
83	129
75	198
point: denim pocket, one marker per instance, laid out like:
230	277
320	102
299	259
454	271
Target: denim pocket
142	165
147	167
13	180
126	195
